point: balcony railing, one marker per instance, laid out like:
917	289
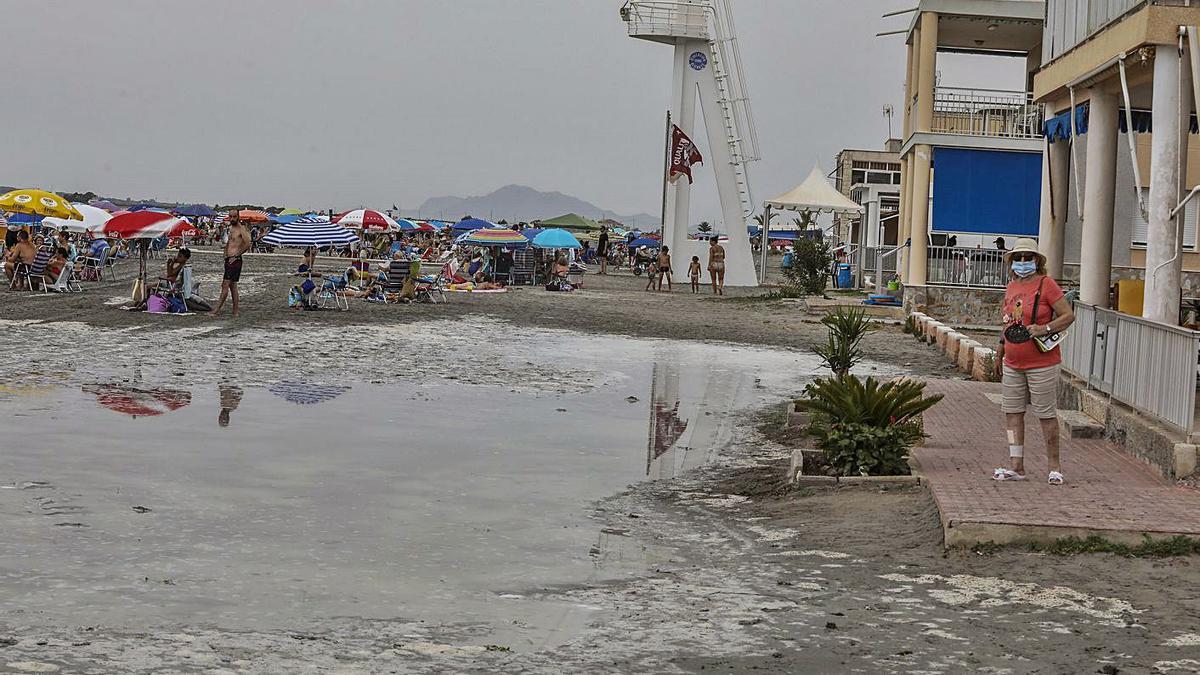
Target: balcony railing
1070	22
986	112
966	266
667	18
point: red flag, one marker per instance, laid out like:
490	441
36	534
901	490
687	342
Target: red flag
683	155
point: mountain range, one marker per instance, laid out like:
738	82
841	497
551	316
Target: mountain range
516	203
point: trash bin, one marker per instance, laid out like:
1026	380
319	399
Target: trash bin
845	276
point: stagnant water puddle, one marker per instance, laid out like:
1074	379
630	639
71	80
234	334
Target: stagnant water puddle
249	490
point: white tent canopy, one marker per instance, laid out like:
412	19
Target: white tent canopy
815	195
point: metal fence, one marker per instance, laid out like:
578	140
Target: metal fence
986	112
1148	366
965	266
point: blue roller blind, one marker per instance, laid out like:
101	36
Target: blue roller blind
986	191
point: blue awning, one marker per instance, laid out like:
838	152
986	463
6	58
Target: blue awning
1058	128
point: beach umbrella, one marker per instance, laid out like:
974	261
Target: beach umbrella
138	402
253	216
196	211
302	233
24	219
93	221
366	219
147	225
302	393
555	238
645	241
38	203
473	224
531	232
495	237
292	212
407	225
104	204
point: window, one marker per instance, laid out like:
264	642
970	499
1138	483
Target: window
1141	227
858	177
879	178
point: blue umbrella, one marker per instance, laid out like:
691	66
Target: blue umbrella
406	224
285	220
196	211
556	238
473	224
645	241
300	234
23	219
302	393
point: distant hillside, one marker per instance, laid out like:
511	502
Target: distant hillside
521	203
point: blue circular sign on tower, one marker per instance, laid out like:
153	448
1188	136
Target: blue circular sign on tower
698	60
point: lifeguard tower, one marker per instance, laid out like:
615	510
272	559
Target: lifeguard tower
708	65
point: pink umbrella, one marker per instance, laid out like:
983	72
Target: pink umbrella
366	219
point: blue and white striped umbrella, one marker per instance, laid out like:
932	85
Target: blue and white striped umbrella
303	393
301	233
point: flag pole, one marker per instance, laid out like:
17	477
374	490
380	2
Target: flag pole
666	175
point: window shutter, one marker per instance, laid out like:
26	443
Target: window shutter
1140	226
1191	223
1190	213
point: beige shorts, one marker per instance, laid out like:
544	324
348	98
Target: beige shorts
1037	387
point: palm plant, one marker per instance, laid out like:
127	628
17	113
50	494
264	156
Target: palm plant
847	327
704	227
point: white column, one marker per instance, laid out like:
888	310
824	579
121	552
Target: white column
918	252
739	262
1163	262
1058	159
1095	264
683	115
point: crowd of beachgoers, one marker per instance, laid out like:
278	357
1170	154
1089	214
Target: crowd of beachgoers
383	259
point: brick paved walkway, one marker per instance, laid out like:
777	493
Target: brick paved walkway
1106	492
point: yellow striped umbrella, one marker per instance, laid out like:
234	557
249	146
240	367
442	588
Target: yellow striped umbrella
39	203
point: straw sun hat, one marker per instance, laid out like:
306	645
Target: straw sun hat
1026	245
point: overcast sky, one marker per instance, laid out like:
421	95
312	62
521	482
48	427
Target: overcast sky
341	103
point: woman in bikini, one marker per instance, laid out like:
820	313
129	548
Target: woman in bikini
716	266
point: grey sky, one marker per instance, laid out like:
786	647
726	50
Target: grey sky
327	103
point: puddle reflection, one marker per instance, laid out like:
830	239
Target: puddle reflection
138	402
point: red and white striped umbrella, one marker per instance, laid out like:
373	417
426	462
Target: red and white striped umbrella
147	225
366	219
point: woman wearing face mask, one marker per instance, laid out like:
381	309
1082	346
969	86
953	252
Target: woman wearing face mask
1035	315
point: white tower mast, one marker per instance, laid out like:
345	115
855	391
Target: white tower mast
708	65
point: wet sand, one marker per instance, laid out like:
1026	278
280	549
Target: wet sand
613	304
716	567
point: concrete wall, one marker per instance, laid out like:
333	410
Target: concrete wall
1139	436
955	306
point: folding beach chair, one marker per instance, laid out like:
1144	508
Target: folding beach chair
28	275
523	267
332	293
398	272
94	266
431	288
65	283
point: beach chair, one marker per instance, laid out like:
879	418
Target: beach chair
397	273
65	283
431	288
523	267
28	275
332	293
95	266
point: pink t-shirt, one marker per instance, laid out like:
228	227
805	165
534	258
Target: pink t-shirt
1018	308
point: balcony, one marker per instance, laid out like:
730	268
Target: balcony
666	20
986	112
1071	22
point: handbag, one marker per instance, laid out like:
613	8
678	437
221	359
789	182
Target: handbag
1049	341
